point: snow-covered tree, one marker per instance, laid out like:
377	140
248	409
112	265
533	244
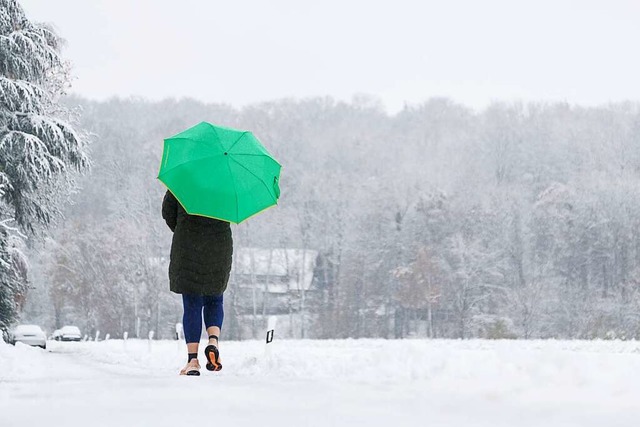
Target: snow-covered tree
420	285
13	272
39	150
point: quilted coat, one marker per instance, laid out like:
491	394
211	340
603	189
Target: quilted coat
201	251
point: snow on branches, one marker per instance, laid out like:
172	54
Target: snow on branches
37	147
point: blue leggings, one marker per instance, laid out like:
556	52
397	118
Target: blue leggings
192	318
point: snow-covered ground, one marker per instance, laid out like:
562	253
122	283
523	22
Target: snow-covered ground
325	383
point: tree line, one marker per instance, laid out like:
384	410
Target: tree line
517	221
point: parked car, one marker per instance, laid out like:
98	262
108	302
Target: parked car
70	333
56	335
30	335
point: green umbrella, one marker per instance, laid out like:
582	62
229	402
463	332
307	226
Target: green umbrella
220	172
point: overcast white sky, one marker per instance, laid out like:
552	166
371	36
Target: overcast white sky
243	51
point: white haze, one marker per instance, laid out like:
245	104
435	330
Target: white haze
401	51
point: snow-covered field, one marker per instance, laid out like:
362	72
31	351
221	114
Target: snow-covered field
324	383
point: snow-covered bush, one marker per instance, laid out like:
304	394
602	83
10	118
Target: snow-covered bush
493	327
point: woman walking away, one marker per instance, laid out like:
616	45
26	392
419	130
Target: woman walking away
201	255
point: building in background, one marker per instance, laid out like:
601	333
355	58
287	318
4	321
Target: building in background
272	282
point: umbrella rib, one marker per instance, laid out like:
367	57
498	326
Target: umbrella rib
235	189
189	161
258	178
256	155
218	136
236	141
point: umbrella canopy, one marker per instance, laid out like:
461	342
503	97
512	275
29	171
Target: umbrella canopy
220	172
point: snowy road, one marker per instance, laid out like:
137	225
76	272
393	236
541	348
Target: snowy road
325	383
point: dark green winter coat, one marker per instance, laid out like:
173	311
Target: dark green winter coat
201	251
